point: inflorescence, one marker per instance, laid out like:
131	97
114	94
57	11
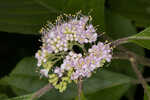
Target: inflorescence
58	61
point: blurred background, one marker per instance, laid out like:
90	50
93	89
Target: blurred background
21	20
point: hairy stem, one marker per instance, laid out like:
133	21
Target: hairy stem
119	42
139	75
138	82
133	58
126	40
42	91
140	59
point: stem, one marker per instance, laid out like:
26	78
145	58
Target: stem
42	91
139	75
119	42
133	59
140	59
79	88
139	38
137	81
126	40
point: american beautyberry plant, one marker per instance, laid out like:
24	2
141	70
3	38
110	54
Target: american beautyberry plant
102	54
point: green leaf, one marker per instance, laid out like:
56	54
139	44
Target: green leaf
113	93
118	26
25	97
27	16
3	96
25	80
142	38
136	10
145	95
5	89
104	79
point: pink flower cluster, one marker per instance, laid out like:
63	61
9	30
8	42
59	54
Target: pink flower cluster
84	66
58	41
